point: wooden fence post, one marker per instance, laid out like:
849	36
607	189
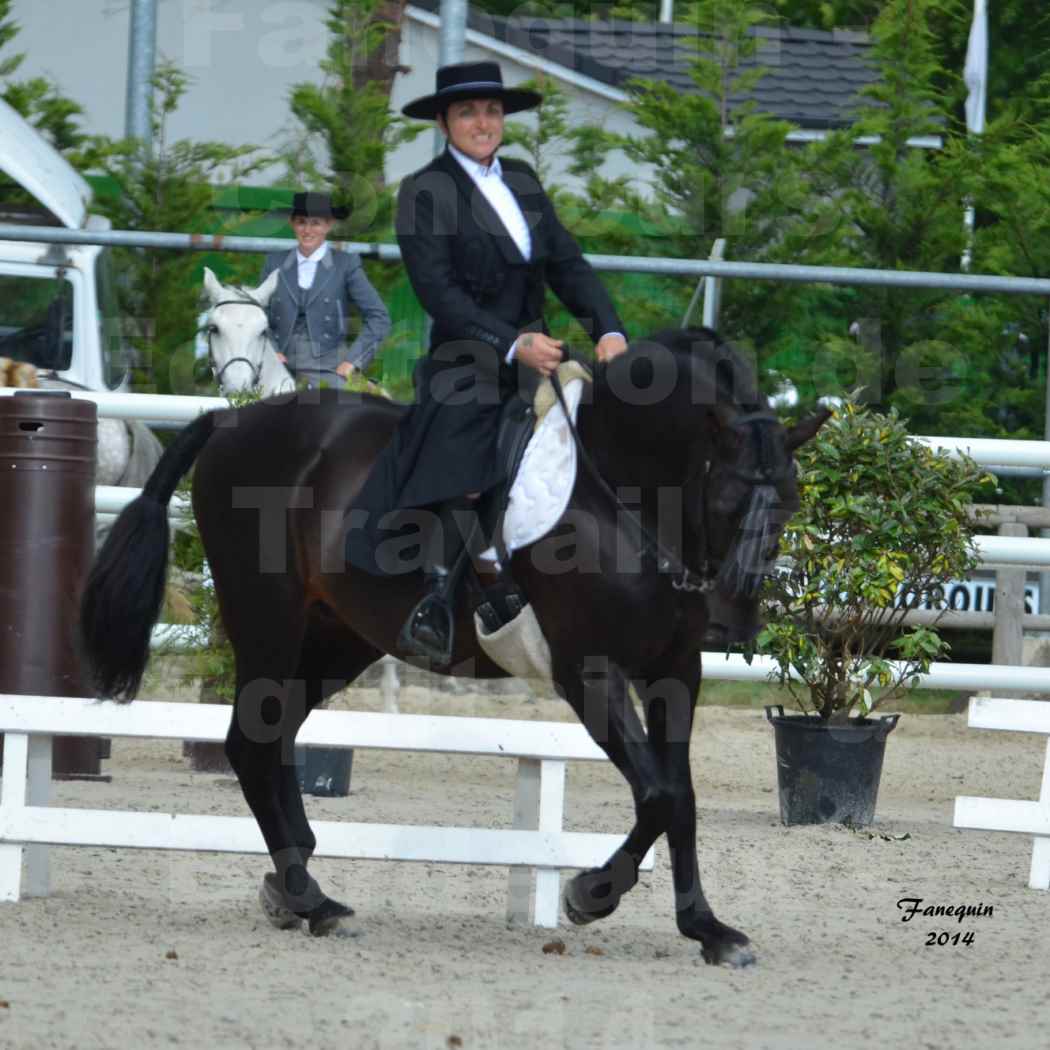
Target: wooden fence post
1008	634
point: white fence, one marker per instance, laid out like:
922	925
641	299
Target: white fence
535	847
995	551
734	668
150	408
1001	814
1014	551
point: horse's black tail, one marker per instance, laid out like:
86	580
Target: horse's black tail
125	588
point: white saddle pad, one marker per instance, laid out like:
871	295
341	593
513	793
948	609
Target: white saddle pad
542	488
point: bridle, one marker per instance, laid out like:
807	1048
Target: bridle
737	571
256	368
763	482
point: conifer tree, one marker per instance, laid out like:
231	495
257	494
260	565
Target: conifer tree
346	128
170	186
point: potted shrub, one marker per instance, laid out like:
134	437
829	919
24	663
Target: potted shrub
884	524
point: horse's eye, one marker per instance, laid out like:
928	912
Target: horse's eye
213	329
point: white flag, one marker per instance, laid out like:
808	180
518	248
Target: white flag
976	72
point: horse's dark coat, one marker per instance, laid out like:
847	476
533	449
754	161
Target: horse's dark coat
675	426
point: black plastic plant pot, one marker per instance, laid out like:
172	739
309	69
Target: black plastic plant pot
324	771
828	774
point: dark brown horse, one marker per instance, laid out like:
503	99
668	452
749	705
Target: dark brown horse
673	522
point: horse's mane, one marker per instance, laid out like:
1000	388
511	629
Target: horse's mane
732	376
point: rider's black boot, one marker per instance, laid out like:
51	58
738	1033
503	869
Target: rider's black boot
429	632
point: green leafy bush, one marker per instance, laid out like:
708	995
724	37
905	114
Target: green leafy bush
884	524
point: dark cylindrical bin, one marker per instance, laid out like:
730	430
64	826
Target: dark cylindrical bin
324	771
47	515
828	774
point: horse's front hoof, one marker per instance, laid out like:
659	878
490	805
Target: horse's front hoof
735	956
330	917
271	900
577	918
579	898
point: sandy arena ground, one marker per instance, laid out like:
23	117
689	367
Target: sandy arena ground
149	949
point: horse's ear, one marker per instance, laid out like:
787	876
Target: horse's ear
262	294
212	286
725	416
800	433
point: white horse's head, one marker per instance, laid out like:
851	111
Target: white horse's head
240	348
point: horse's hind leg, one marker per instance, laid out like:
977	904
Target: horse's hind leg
331	658
269	709
602	702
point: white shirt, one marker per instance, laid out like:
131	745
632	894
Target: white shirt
308	265
489	179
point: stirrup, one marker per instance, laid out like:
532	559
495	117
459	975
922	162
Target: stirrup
501	603
420	637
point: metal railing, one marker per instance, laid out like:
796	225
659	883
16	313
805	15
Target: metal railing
1010	552
844	275
1004	550
1016	458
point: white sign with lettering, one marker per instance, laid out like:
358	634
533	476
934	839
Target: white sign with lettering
979	596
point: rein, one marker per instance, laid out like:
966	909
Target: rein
685	579
256	368
736	573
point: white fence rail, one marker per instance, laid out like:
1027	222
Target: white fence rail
150	408
183	408
112	499
1031	552
995	452
1013	551
1017	551
536	846
1001	814
734	668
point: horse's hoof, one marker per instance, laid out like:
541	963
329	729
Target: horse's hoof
277	913
328	918
576	917
735	956
575	910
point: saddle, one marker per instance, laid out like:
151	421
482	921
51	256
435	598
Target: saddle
538	449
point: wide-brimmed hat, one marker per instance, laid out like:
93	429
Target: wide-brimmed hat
471	80
315	206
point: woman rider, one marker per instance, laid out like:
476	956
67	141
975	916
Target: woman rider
480	240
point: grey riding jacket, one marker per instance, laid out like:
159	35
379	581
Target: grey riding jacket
318	342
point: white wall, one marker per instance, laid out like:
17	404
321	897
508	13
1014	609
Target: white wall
244	56
419	54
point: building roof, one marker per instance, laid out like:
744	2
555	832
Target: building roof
813	77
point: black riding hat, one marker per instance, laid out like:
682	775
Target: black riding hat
471	80
316	206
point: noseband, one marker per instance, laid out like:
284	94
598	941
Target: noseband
745	566
256	369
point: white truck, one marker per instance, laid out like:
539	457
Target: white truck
58	303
